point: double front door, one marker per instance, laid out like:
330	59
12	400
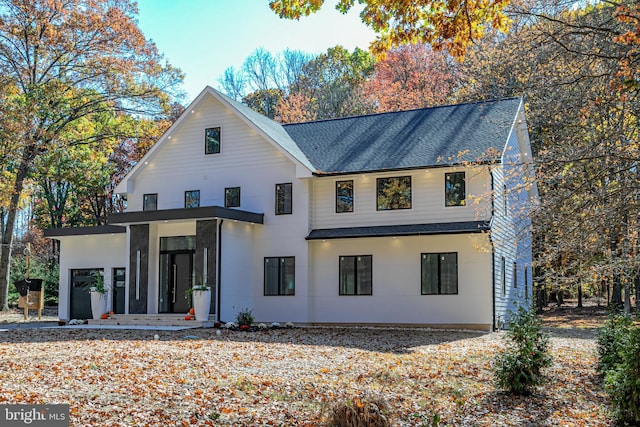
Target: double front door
176	275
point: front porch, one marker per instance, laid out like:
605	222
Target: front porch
151	320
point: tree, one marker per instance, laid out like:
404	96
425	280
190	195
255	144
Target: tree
450	24
71	61
412	76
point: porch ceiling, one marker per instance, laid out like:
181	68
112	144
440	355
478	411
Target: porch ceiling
206	212
400	230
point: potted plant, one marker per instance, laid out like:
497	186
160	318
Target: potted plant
201	294
98	297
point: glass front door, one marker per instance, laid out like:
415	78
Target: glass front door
176	273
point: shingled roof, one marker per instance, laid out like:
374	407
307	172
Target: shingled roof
407	139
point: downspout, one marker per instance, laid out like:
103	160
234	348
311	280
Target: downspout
493	254
219	270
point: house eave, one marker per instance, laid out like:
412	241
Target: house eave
465	227
206	212
409	168
54	233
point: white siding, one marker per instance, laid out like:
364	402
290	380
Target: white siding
93	251
428	205
397	295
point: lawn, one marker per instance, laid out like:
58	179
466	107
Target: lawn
292	377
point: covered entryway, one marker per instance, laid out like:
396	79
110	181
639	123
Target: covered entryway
176	274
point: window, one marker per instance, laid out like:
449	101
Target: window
192	199
150	202
504	276
232	197
454	189
515	275
279	276
283	198
344	196
393	193
526	283
440	273
504	199
356	275
212	141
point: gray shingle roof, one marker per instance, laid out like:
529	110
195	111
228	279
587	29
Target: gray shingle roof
399	230
407	139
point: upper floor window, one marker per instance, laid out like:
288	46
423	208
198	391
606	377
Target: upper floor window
150	202
455	192
212	140
344	196
440	273
192	199
503	270
279	275
356	275
232	197
393	193
284	198
515	274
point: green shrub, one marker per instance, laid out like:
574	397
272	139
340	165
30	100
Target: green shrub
518	369
623	382
611	338
244	317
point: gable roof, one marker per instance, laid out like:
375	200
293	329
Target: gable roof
408	139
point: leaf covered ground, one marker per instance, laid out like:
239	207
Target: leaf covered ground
290	377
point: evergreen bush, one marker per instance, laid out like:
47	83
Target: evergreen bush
611	337
518	369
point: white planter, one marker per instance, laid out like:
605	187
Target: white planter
98	304
202	304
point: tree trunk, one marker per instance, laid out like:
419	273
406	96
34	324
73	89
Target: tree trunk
616	295
637	290
627	296
7	238
580	295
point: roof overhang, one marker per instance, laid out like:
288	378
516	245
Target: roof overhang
53	233
207	212
400	230
412	168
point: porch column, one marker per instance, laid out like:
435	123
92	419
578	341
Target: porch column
138	268
205	256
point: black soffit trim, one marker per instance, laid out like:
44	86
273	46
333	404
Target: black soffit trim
186	213
84	231
400	230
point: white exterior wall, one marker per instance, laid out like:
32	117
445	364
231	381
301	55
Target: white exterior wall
427	200
396	287
92	251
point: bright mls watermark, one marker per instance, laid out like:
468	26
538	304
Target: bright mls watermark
34	415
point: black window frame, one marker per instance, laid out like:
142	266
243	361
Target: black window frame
192	193
439	291
357	288
505	201
391	206
284	202
144	201
217	145
449	201
340	197
227	200
504	275
515	275
283	288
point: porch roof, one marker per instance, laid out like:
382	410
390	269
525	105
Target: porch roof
186	213
83	231
400	230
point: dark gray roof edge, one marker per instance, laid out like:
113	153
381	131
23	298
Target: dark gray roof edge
84	231
487	101
400	230
412	168
186	213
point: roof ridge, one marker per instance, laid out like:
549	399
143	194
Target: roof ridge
487	101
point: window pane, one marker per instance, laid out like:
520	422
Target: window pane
288	276
454	189
192	199
449	273
283	198
150	202
347	275
393	193
429	274
271	269
344	196
232	197
212	140
363	275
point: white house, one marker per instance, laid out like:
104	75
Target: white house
417	217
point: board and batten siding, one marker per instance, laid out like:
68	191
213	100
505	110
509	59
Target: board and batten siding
427	199
511	233
396	286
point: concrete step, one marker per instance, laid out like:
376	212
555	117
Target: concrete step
151	320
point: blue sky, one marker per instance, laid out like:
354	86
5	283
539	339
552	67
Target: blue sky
204	37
